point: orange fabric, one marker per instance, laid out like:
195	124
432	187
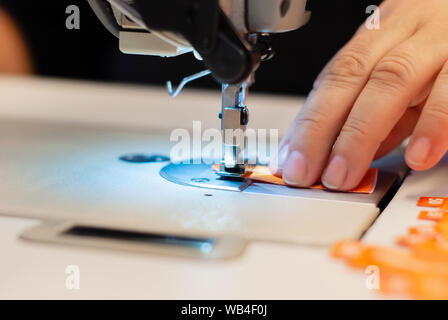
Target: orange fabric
431	202
263	174
420	269
444	206
432	215
347	249
435	249
424	230
401	271
442	228
411	240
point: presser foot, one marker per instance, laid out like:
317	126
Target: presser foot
203	176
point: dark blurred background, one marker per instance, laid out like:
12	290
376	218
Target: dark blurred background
92	52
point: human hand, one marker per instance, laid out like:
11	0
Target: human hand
379	89
14	55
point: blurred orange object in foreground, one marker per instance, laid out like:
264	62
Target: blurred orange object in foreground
419	269
432	215
400	271
431	202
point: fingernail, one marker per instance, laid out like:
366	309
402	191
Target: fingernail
336	172
419	151
276	164
295	169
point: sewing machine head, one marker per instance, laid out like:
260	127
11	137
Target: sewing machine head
231	37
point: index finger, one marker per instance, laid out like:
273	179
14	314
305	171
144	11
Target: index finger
315	129
394	83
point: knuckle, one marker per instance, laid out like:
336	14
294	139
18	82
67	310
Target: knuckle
394	72
313	121
358	130
438	110
437	107
443	75
347	68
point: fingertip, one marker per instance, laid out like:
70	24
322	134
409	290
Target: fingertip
273	166
277	161
275	169
417	153
295	170
336	173
344	173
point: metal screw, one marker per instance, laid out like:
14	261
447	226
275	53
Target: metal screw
284	7
244	117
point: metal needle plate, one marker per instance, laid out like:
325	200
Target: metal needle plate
202	176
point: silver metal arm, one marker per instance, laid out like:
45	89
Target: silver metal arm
184	82
234	118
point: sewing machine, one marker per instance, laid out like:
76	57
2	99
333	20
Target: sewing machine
85	165
231	37
67	179
92	189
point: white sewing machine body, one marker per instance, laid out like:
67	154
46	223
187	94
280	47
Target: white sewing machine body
61	145
74	173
